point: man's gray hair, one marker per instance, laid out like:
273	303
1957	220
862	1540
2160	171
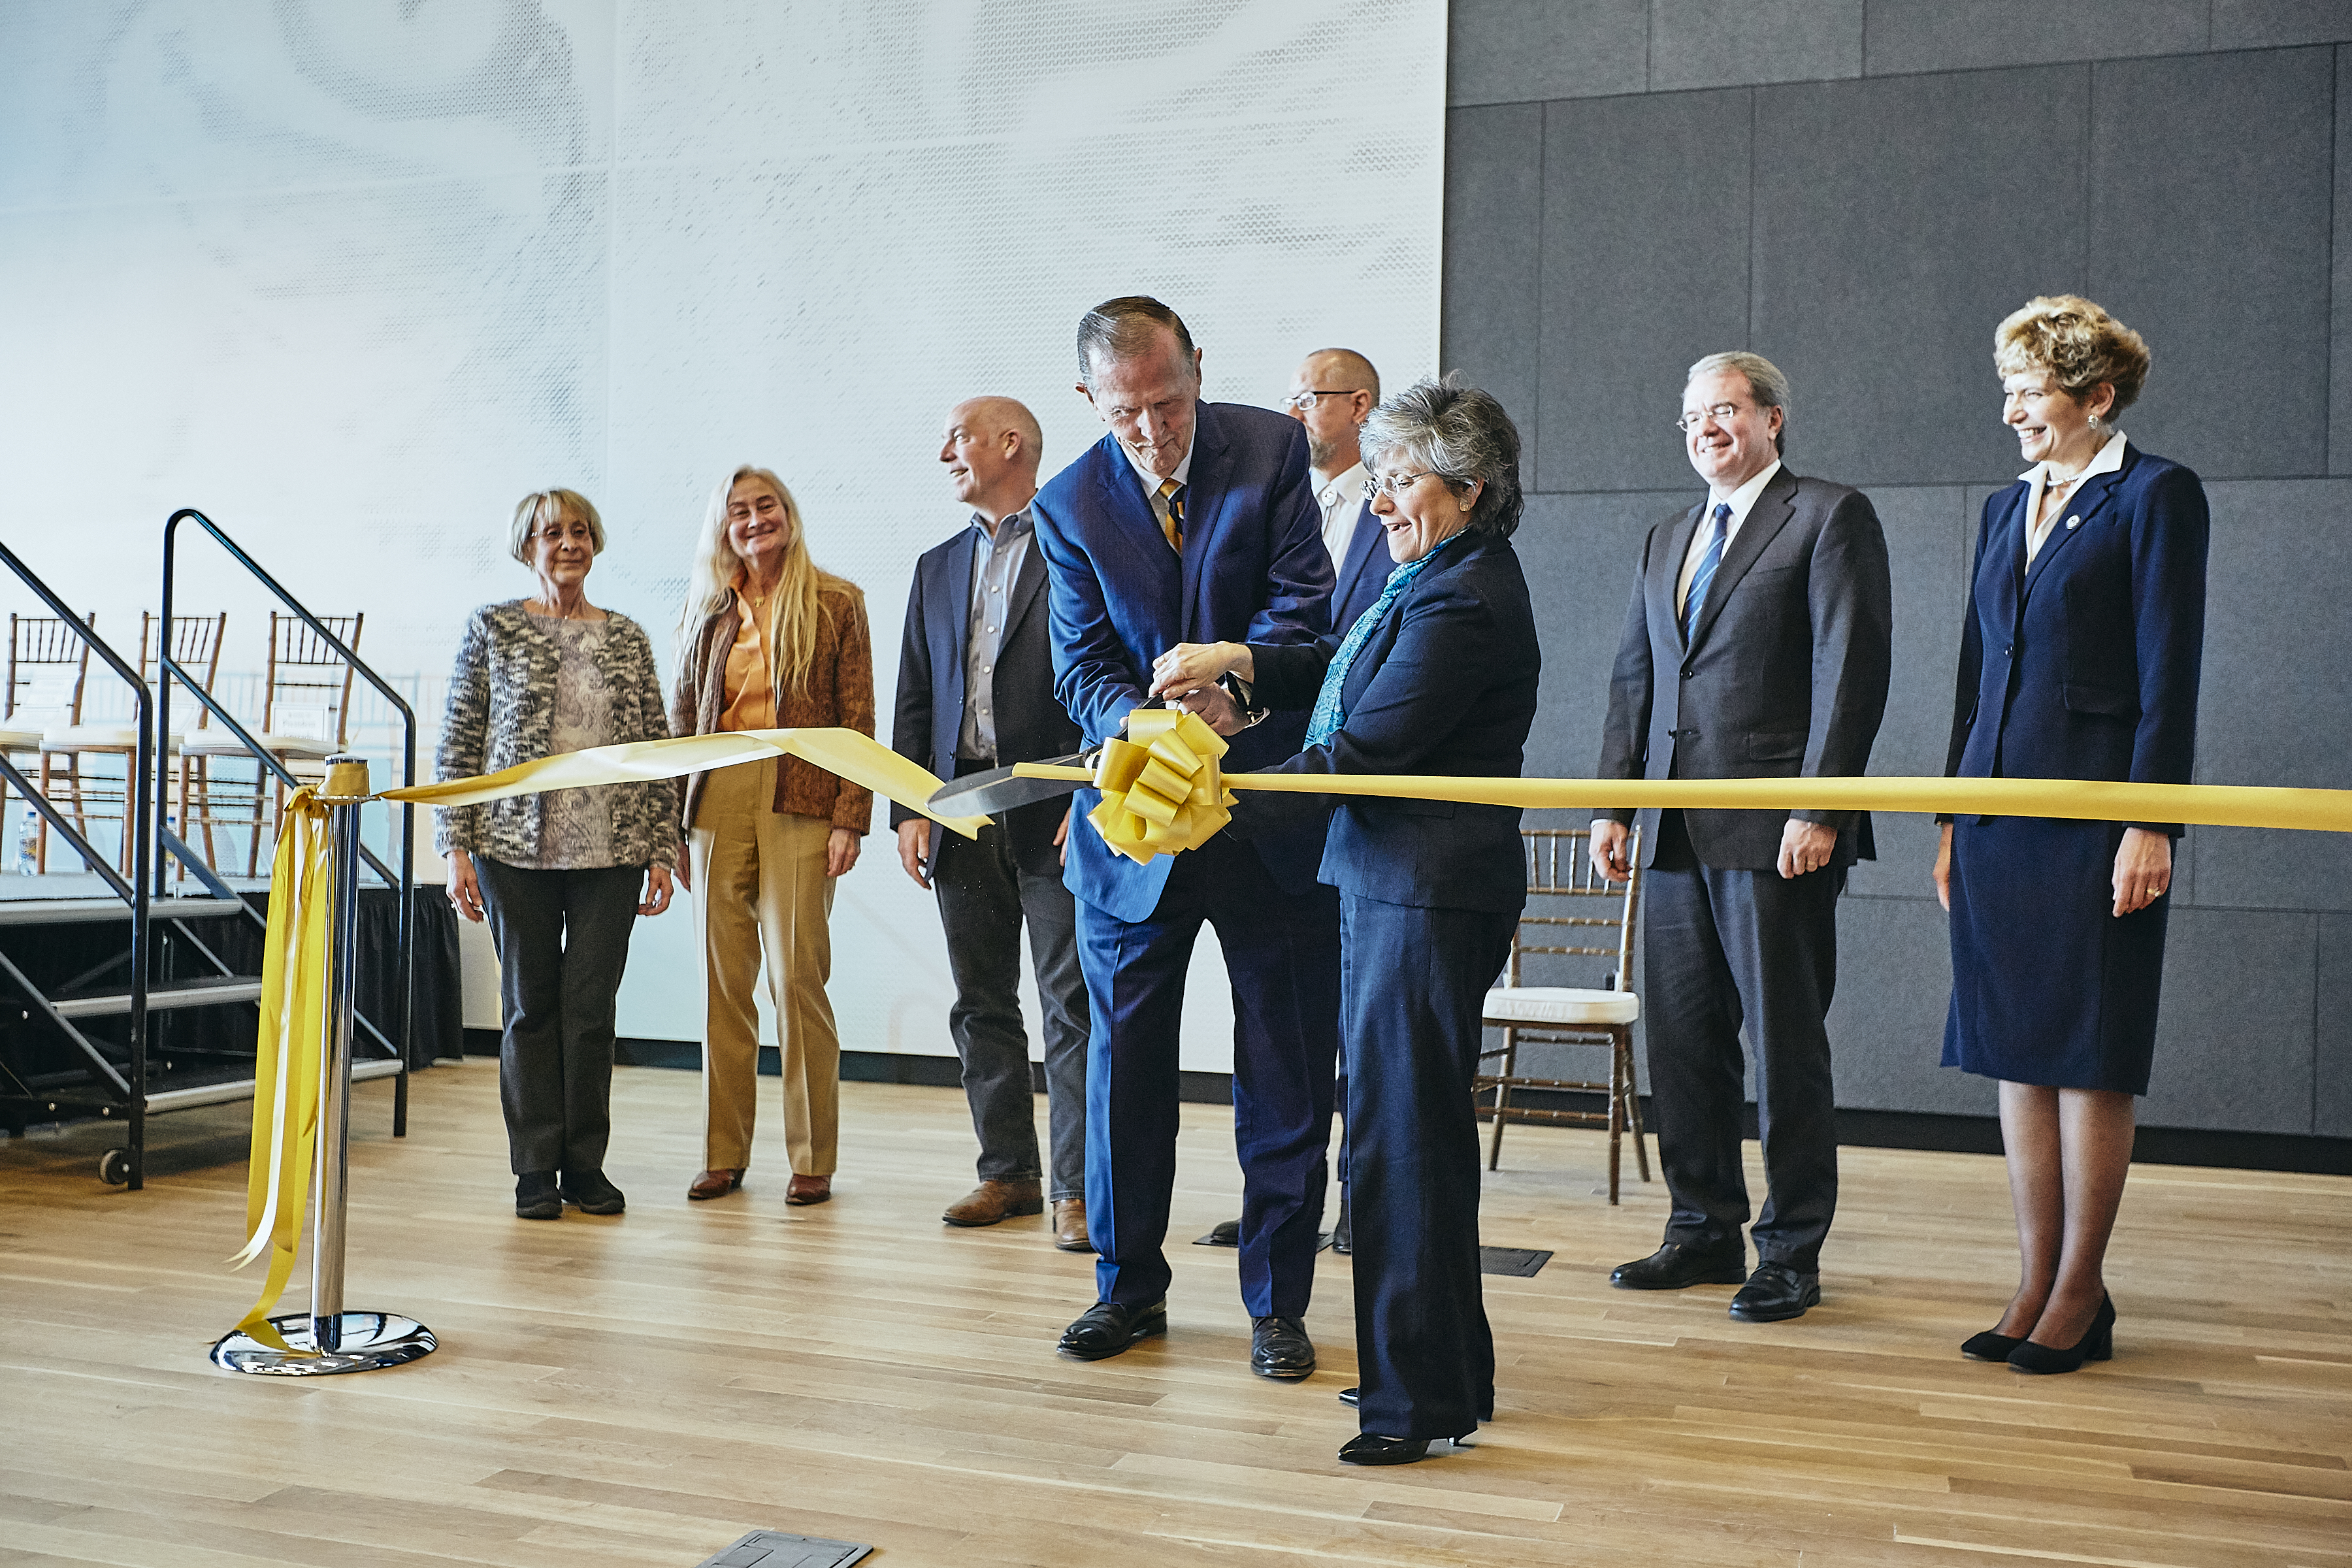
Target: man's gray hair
1125	326
1765	382
1458	432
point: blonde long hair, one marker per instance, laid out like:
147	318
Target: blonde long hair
711	582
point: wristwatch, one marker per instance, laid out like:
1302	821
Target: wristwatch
1245	696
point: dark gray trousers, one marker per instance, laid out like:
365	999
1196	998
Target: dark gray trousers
1722	949
984	897
562	938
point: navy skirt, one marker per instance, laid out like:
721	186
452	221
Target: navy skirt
2048	986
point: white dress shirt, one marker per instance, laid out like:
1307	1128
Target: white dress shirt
1741	499
1151	481
1343	501
2037	477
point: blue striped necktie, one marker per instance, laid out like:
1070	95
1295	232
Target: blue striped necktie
1708	562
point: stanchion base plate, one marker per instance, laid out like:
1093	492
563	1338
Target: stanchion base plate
369	1340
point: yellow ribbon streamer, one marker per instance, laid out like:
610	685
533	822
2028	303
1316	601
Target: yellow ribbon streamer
288	1054
859	758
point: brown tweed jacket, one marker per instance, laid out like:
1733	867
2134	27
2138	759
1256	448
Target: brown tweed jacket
840	693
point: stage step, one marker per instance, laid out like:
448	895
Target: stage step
242	1088
170	995
78	911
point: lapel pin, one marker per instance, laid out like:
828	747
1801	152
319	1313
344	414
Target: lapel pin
2073	524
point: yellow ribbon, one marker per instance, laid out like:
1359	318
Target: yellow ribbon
287	1056
1160	786
859	758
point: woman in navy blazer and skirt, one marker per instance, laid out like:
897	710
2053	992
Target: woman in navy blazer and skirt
2079	660
1437	676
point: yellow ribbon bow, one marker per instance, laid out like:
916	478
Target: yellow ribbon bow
1162	791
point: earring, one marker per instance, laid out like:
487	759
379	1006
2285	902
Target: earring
2094	421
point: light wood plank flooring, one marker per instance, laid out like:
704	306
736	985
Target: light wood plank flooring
641	1390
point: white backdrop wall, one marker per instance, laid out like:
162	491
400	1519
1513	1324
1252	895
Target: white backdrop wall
352	276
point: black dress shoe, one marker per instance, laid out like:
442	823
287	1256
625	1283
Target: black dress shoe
1347	1396
1106	1328
589	1192
2097	1344
1988	1346
1679	1264
1371	1448
536	1197
1775	1293
1279	1348
1343	1235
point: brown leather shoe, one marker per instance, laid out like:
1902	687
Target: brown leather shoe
992	1201
1070	1224
809	1190
714	1184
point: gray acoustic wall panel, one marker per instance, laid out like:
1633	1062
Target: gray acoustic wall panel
2234	1036
2188	163
1914	36
1732	43
2332	1055
1494	223
2268	24
1891	235
2211	198
1646	244
1510	51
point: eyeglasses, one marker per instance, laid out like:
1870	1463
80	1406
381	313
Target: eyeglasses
1303	401
1395	484
1722	414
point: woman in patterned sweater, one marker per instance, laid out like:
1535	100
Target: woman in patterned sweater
559	875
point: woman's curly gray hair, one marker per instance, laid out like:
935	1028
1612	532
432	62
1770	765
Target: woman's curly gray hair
1459	433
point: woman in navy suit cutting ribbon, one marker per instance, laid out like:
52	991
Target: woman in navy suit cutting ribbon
1437	676
2079	660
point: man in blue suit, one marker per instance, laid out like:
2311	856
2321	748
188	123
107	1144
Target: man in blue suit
1192	522
1332	393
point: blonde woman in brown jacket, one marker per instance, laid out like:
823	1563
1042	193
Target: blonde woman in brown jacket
768	640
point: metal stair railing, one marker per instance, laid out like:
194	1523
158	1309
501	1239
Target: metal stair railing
139	809
404	881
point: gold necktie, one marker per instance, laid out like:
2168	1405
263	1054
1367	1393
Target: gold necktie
1172	525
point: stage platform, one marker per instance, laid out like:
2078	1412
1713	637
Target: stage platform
645	1389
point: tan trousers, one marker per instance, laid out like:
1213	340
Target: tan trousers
759	876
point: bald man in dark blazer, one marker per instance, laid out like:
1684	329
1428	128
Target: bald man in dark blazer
1757	646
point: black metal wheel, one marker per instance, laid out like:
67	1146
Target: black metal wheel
114	1167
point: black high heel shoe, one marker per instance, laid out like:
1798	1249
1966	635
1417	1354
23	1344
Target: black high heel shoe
1988	1346
2097	1344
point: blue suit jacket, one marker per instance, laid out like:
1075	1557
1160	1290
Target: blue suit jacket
2086	666
1445	685
1030	724
1363	571
1254	570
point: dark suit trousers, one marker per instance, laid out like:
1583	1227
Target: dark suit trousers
1414	983
562	938
1282	954
984	897
1723	949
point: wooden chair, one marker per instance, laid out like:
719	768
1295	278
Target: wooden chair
195	642
305	718
48	668
1570	906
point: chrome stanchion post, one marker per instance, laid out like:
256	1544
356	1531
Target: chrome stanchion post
327	1338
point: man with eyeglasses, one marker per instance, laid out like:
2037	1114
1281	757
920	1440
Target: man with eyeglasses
1757	646
1193	523
1332	393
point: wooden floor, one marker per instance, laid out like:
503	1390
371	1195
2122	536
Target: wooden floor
642	1390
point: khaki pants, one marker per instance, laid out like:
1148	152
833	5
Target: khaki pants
759	876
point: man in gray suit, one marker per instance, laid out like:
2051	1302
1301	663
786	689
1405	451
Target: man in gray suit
1757	646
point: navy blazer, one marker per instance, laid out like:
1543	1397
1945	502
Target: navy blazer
1363	571
1254	570
1445	685
2086	665
1030	724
